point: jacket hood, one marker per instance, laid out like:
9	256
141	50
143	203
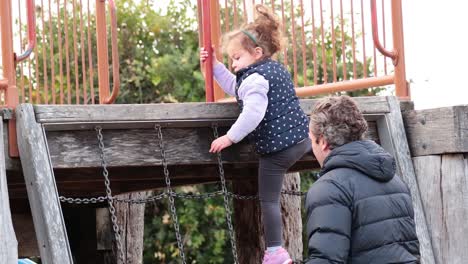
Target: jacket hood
365	156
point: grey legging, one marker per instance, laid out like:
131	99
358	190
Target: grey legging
271	170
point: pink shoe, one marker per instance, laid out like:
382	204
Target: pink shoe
280	256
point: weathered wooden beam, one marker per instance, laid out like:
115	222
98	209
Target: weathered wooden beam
140	147
393	139
178	112
8	242
437	131
444	181
292	217
42	191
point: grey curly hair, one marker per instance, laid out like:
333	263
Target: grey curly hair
338	120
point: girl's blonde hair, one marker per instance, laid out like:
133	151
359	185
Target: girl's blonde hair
264	32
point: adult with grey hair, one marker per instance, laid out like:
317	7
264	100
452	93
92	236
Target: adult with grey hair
358	211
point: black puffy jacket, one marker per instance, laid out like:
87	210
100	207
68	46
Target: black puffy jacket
358	211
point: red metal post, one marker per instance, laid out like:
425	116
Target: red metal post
401	86
102	55
206	14
8	62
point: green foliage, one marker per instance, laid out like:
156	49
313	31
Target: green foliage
203	229
158	53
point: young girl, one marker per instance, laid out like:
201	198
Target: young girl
270	116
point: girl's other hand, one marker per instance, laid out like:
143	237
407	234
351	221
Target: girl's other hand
220	143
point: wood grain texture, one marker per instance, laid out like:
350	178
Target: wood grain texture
42	191
291	216
395	141
443	180
437	131
169	112
8	242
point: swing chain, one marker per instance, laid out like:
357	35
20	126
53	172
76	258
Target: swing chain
171	194
110	198
226	199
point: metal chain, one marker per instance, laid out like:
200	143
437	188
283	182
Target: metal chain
150	199
93	200
110	198
171	196
141	200
226	200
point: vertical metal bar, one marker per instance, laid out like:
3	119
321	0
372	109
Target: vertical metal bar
227	21
8	63
90	58
245	12
285	50
375	53
343	40
75	54
206	13
20	64
354	40
293	27
83	57
324	57
304	61
401	87
236	19
59	44
363	40
333	40
384	35
38	83
44	61
51	54
314	45
102	55
30	83
218	93
67	53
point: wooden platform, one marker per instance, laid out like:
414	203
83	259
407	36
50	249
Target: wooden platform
132	146
61	156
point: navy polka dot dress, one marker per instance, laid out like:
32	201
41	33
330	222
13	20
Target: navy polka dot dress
285	123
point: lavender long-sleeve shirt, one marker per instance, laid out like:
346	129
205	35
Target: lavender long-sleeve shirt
252	91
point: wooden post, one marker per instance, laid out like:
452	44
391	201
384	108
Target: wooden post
8	242
393	139
292	218
42	190
130	218
444	179
248	222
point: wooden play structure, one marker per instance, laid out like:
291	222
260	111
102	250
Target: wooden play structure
68	148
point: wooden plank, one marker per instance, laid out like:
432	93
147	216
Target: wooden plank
393	138
8	242
454	186
42	191
437	131
140	147
445	181
428	175
291	216
176	111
